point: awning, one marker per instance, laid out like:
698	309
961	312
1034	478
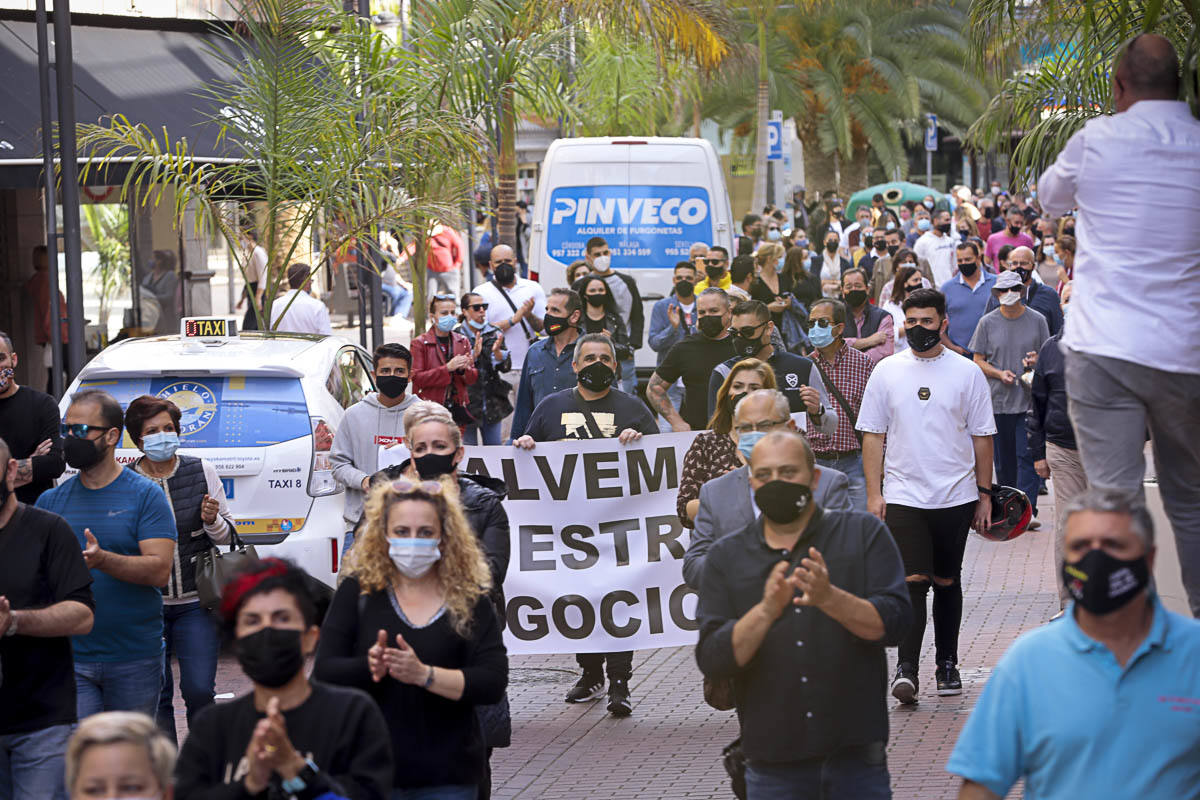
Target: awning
150	76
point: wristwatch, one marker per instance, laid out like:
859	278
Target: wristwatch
428	680
303	778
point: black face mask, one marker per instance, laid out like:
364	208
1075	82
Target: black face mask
782	501
968	269
684	288
746	348
1013	230
595	300
711	326
922	339
505	273
596	377
270	657
392	386
734	399
892	248
554	324
856	298
831	247
944	227
714	273
1101	583
867	241
1024	273
881	246
81	454
434	465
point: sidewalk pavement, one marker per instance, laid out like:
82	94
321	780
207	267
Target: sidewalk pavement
671	747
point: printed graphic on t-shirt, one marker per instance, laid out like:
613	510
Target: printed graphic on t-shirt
388	441
575	424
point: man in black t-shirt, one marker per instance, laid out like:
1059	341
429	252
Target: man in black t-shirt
693	359
795	375
45	598
29	422
593	410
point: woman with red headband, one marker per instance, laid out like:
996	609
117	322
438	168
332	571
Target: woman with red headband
290	737
413	625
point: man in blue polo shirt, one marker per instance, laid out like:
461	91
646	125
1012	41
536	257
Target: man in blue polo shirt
967	295
126	529
1104	701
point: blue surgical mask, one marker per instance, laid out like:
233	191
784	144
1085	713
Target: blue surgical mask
446	323
413	557
774	235
891	226
928	204
477	325
160	446
924	224
779	264
821	336
746	442
1057	259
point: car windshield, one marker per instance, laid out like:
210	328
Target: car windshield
222	411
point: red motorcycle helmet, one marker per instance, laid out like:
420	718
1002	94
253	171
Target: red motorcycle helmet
1011	513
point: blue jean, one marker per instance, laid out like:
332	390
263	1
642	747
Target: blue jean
118	686
400	300
848	775
629	377
853	468
348	543
1014	462
190	632
437	793
32	764
489	430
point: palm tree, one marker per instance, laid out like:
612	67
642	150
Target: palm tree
512	51
1070	48
318	115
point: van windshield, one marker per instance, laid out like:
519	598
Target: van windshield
222	411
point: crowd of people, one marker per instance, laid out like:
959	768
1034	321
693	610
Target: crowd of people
859	410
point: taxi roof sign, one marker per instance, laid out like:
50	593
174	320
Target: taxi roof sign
208	329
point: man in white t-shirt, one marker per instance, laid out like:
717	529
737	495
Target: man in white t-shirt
516	306
939	247
297	311
1132	343
935	409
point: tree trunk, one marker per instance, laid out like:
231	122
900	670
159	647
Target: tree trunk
820	174
696	118
758	200
506	167
417	267
854	172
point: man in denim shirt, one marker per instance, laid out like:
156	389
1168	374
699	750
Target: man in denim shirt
671	320
547	366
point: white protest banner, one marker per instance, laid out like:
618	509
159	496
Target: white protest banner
597	549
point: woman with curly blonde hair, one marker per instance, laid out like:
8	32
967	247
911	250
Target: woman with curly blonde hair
413	626
714	452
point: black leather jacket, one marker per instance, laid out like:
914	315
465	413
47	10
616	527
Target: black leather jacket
1047	419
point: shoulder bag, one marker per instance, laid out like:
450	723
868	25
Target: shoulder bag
837	395
529	334
214	569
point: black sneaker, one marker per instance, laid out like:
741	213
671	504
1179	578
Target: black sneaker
588	687
904	685
618	698
948	681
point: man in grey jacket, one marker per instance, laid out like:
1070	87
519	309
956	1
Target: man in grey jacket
727	503
377	419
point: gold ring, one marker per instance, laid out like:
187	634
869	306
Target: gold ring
270	748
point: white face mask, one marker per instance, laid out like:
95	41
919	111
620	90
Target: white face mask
600	263
414	557
1010	298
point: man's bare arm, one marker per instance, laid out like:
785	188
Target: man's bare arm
68	618
971	790
656	393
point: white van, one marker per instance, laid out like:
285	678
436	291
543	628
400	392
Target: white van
651	198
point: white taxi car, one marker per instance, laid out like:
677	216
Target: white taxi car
263	409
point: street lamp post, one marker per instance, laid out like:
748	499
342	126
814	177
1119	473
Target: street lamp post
64	68
49	198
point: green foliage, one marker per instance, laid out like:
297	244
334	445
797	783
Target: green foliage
1043	104
621	88
108	226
